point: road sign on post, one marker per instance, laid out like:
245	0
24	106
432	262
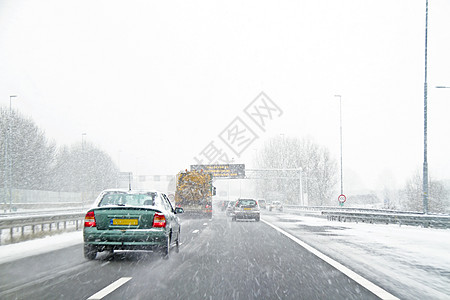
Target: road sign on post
342	198
125	179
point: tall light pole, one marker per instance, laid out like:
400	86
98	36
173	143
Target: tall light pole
425	91
83	141
340	127
5	171
83	176
9	159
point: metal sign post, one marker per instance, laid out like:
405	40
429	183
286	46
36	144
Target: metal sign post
342	199
274	174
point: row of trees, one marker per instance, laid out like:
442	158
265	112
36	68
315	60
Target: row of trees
411	197
320	176
319	170
30	161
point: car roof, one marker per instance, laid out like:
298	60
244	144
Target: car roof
126	191
131	191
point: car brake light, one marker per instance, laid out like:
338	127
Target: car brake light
159	220
89	219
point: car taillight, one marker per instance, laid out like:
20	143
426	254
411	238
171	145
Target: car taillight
159	220
89	219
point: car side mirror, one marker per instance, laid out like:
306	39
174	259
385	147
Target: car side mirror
179	210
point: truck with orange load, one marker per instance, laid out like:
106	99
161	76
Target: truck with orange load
194	191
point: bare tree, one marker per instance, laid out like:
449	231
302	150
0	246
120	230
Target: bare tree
319	169
412	195
27	155
84	168
30	161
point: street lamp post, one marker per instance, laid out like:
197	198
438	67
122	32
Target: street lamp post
340	127
425	122
5	171
83	141
83	176
9	158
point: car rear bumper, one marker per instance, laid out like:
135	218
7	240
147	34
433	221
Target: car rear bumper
125	239
246	215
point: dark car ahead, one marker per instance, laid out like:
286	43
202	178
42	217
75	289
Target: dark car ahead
230	208
131	220
246	209
276	205
262	204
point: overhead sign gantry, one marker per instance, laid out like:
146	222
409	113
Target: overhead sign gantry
231	171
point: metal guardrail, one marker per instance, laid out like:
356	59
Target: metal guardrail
380	216
41	221
356	209
435	221
40	212
42	205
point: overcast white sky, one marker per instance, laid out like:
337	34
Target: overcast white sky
154	82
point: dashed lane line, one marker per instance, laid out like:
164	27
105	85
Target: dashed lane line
110	288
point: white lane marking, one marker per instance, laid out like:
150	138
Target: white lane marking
205	224
104	264
195	231
110	288
378	291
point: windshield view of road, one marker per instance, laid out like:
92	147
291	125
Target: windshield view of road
224	149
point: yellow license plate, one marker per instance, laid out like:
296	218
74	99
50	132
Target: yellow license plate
247	208
124	221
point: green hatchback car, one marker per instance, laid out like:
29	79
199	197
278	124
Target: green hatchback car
131	220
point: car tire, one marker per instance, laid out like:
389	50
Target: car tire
233	219
177	243
257	218
90	252
166	249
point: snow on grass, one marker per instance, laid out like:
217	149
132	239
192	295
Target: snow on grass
414	261
16	251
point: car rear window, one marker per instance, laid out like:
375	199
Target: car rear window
118	198
246	202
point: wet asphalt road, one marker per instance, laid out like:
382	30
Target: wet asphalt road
218	259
